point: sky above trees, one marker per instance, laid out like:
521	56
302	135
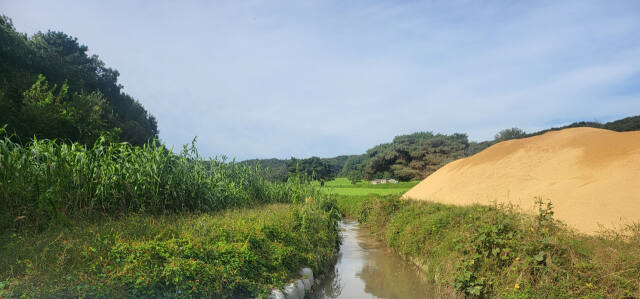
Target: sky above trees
260	79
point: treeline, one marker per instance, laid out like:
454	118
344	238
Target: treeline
409	157
274	169
626	124
314	168
416	156
51	88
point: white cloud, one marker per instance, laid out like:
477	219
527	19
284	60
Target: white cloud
301	78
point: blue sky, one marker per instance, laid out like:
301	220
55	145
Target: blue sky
261	79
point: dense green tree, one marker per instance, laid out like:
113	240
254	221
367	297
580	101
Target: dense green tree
280	169
414	156
354	176
43	109
312	168
271	169
508	134
354	165
623	125
51	112
336	164
92	95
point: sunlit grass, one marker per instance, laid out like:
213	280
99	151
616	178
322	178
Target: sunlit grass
342	186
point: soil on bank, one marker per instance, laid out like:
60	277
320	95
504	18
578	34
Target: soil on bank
592	176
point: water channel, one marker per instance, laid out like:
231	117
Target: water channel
366	268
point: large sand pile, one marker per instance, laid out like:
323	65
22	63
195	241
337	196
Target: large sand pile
592	177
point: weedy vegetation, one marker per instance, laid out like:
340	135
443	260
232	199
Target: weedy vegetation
118	220
237	252
497	251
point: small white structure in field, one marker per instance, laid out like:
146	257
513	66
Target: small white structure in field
383	181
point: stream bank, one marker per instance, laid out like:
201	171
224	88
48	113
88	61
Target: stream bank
366	268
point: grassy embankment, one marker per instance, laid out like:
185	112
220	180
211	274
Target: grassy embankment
498	251
116	220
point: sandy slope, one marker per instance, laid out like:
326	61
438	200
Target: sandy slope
592	176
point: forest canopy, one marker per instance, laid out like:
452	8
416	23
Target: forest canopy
50	87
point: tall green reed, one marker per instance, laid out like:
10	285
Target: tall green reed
45	181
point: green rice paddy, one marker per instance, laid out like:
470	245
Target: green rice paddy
342	186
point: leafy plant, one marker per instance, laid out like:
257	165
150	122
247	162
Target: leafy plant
235	253
47	181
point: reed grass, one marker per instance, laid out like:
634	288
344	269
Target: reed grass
47	181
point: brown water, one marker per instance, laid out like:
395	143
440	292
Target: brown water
366	268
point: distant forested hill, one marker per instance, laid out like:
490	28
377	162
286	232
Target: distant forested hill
273	169
408	157
414	156
417	155
622	125
314	167
51	88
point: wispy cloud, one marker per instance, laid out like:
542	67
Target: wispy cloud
300	78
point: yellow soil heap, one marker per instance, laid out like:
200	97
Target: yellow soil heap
592	177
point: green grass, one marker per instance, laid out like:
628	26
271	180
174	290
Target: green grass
239	252
499	252
342	186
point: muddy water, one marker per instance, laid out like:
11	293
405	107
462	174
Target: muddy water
366	268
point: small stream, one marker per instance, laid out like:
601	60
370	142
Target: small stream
366	268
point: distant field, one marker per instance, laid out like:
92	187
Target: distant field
342	186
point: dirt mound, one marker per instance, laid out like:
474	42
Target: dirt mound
592	177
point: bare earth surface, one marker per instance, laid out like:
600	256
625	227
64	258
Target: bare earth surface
592	177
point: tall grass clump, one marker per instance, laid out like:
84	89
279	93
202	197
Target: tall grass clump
45	180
